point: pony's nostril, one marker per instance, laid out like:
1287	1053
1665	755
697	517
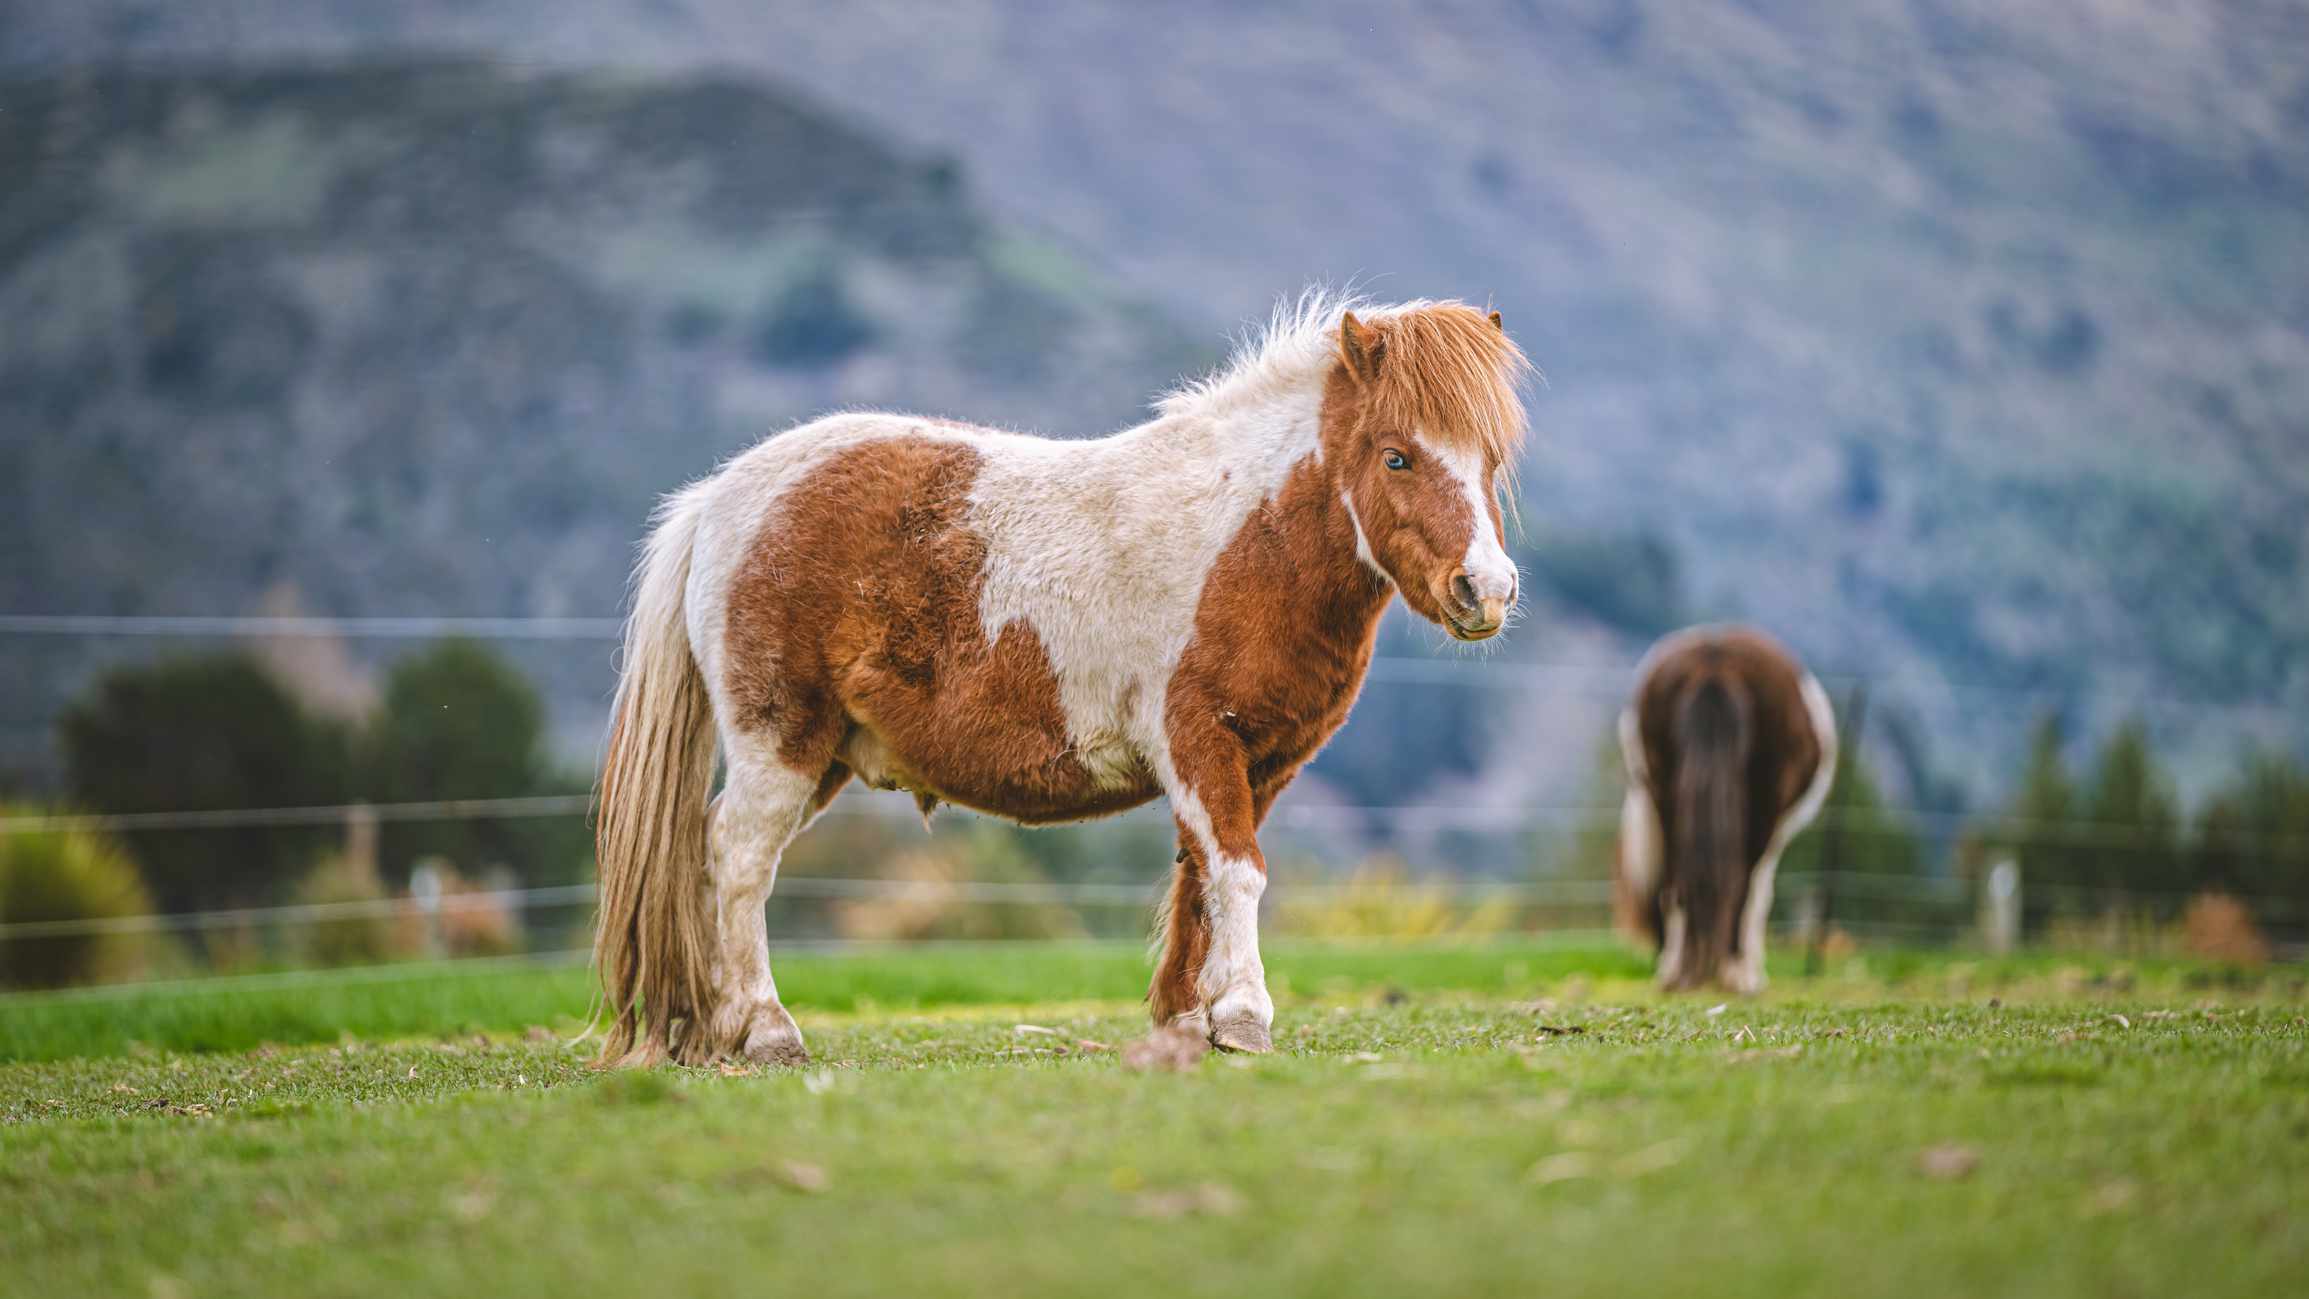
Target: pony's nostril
1463	590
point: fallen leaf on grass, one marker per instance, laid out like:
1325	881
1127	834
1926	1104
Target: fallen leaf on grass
2121	1021
1562	1168
1170	1049
1024	1029
809	1179
2113	1197
1947	1163
1087	1044
473	1204
1650	1159
1718	1009
1210	1198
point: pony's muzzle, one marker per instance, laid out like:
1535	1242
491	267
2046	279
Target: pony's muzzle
1473	613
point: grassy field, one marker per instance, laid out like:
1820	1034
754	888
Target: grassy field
1500	1119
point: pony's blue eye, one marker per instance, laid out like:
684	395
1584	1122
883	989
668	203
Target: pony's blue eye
1395	460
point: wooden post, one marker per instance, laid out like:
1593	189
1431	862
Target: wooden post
1832	830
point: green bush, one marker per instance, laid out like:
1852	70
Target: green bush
361	939
58	875
209	732
458	721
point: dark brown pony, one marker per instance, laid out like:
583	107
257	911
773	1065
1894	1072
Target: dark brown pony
1730	746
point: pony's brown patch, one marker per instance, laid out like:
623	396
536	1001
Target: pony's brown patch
854	636
1728	750
1282	639
1443	368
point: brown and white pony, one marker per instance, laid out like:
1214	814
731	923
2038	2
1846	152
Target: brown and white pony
1043	630
1730	747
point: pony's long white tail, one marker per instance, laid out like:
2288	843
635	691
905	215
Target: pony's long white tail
652	941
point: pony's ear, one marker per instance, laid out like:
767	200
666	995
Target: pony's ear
1361	347
1497	323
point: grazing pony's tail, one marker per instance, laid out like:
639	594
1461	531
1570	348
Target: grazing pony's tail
652	941
1708	864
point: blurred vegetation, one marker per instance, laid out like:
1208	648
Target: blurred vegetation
67	875
1630	580
215	731
458	721
812	321
221	731
935	907
363	938
1382	899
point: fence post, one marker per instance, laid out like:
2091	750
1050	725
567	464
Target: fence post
2000	907
1832	830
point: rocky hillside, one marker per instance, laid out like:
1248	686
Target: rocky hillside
1958	341
431	337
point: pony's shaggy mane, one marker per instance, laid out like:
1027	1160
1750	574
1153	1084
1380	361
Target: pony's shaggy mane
1446	370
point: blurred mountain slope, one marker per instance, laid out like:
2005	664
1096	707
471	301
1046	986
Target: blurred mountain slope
1951	339
432	337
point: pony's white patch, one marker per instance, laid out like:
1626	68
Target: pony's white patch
1362	543
761	808
1671	943
1747	972
1640	842
1640	838
1103	548
1233	982
1489	570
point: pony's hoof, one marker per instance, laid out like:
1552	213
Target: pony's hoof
776	1042
1241	1033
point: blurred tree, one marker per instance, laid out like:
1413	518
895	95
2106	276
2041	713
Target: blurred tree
197	734
2253	839
460	722
2132	834
2042	836
1877	839
66	875
1628	580
812	321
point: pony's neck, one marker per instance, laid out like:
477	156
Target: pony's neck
1301	534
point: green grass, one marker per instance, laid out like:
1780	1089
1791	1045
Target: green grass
1507	1119
405	1001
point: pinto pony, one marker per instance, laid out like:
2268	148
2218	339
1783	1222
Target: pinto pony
1730	747
1042	630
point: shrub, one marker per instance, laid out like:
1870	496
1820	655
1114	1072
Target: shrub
812	322
209	732
363	938
1380	901
937	905
60	875
458	721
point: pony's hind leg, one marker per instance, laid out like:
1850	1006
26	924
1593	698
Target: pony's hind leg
1174	999
762	806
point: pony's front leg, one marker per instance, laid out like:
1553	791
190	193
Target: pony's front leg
1212	802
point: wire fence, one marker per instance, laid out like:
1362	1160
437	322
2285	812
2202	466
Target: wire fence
1488	672
1907	907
